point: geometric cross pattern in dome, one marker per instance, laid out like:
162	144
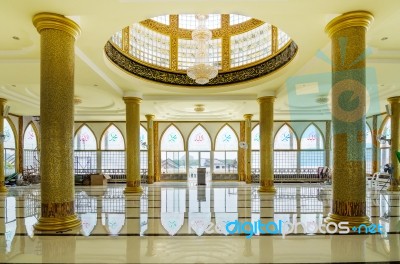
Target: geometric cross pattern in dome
161	48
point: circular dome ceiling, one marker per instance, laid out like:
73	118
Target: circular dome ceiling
161	49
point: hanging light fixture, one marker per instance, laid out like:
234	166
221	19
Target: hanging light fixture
202	71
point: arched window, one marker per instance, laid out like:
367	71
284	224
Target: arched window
312	154
199	146
85	139
173	156
31	155
113	150
143	138
9	148
199	140
143	149
255	147
85	154
368	149
225	154
285	145
285	138
312	138
112	139
384	145
30	138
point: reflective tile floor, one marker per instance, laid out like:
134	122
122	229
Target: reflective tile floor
184	223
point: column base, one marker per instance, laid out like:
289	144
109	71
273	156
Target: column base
393	188
267	189
133	189
3	190
57	224
150	180
352	220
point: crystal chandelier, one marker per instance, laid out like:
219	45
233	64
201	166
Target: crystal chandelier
202	71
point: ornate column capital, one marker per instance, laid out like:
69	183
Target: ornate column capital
48	20
394	99
263	99
132	100
349	19
248	116
3	100
150	117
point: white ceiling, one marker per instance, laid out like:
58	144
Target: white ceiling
101	86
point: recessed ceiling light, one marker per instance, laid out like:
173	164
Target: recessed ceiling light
384	38
15	37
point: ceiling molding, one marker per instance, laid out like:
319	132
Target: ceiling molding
97	70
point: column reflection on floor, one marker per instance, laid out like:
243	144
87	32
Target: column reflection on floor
172	222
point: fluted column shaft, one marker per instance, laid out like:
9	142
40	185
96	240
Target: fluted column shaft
150	149
57	66
132	144
3	188
266	144
395	142
247	119
347	33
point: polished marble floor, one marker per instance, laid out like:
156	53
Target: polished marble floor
185	223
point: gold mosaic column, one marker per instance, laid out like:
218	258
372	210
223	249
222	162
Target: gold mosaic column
242	154
132	102
157	164
247	120
347	32
375	144
266	144
58	35
3	188
395	144
150	149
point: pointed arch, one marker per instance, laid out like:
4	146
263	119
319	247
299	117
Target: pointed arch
31	138
226	147
285	138
368	136
10	134
172	139
368	149
386	130
85	138
199	139
312	138
255	137
226	139
143	137
112	138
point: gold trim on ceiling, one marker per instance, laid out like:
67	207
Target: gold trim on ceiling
131	66
236	29
225	32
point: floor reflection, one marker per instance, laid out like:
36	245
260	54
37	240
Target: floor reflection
165	218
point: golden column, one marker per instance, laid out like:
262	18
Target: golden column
3	188
58	35
395	144
247	120
132	102
150	149
347	32
266	144
242	154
